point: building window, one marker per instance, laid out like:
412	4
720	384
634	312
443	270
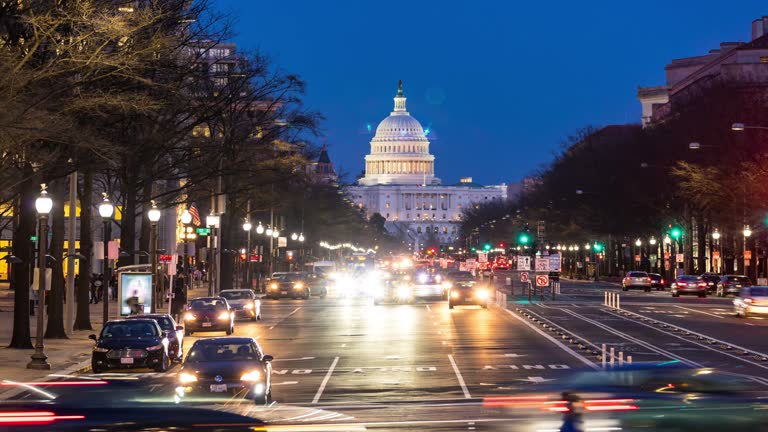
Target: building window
418	230
443	215
387	205
459	206
387	215
453	229
436	230
407	215
763	59
445	230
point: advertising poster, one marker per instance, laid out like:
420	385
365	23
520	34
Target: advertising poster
135	289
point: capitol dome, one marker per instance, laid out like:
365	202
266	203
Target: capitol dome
399	150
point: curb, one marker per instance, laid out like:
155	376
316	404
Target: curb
77	369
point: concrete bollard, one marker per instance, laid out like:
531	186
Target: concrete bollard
603	356
612	357
605	300
618	301
621	358
629	359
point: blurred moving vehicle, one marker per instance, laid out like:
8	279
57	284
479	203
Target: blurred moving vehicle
657	281
711	279
501	262
751	301
427	284
228	366
731	284
288	285
636	279
468	292
173	331
243	303
455	276
397	288
209	314
134	343
690	285
667	396
317	282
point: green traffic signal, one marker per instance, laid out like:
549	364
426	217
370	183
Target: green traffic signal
598	247
474	249
487	246
523	239
676	233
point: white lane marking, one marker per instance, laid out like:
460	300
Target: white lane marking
428	308
285	317
701	312
285	383
343	345
536	379
513	355
559	344
325	381
459	377
291	359
392	357
749	324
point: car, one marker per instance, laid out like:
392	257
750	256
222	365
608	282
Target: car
209	314
500	263
657	281
174	332
689	284
468	293
243	302
397	288
711	279
731	284
227	366
636	279
291	285
130	343
427	284
751	300
453	277
317	282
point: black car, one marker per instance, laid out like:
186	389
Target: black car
209	314
468	293
712	280
227	365
688	284
292	285
134	343
454	277
243	302
731	284
657	281
174	332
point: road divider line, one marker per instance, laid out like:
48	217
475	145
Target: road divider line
701	312
428	308
285	317
459	377
325	381
559	344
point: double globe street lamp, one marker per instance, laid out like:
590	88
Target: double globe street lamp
43	205
247	228
106	211
154	217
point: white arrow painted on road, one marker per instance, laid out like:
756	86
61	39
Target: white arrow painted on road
292	359
537	379
285	383
514	355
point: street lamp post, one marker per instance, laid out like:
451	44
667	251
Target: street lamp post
188	234
275	236
668	245
43	205
639	244
213	220
716	238
260	231
247	228
154	217
652	242
747	232
106	210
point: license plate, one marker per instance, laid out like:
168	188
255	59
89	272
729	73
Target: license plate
738	286
283	292
126	360
218	388
207	324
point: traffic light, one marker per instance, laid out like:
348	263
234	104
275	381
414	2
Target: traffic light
501	245
598	247
523	239
676	233
487	247
474	249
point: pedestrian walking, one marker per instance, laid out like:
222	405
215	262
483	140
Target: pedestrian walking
178	301
572	421
95	284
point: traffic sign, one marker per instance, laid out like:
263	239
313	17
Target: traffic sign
523	263
166	258
542	280
203	231
680	258
542	264
555	262
482	257
524	277
747	255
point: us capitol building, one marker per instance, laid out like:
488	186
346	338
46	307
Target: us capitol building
400	183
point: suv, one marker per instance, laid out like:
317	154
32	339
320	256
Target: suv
657	281
731	284
636	279
711	279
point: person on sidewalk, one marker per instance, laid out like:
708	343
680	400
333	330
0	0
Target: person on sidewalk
178	301
95	284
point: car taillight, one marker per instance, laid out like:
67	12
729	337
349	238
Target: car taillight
649	279
662	282
33	418
749	300
703	284
726	283
681	284
609	405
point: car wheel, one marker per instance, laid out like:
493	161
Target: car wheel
260	400
702	295
95	369
187	332
450	305
674	294
229	331
648	289
163	366
624	289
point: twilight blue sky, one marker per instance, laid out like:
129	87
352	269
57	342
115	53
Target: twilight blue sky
499	83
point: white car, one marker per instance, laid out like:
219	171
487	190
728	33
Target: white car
243	303
751	301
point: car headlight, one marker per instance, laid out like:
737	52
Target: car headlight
298	286
481	294
454	294
273	286
155	348
403	291
423	278
248	306
100	350
224	315
251	376
186	378
447	285
189	316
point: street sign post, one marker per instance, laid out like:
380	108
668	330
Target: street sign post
555	262
542	263
203	231
523	263
542	280
524	277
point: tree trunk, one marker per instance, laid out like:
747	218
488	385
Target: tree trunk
702	231
144	230
83	316
228	223
23	248
55	298
128	222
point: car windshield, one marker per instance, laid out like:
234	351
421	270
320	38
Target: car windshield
654	276
215	352
758	291
638	274
688	278
208	304
739	279
287	277
129	329
237	295
460	275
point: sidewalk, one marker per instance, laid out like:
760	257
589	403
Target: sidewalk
66	356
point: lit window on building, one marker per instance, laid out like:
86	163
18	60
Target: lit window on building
445	230
436	230
763	59
453	229
387	205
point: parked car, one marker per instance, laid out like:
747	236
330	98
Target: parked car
657	281
174	332
227	366
209	314
731	284
751	301
243	302
636	279
127	344
690	285
711	279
